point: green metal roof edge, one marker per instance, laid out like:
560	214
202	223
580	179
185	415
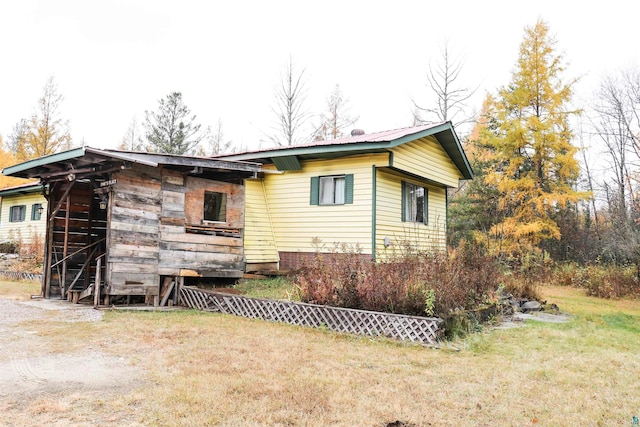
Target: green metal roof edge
453	148
36	187
40	161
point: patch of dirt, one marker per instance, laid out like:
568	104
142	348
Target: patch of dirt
44	388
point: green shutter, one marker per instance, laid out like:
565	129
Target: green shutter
425	214
404	201
315	190
348	189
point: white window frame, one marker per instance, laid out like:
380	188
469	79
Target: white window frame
332	190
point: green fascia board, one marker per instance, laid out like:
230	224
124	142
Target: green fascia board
444	133
35	188
287	163
41	161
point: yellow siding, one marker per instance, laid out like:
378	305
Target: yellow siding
23	231
426	157
259	237
296	222
389	217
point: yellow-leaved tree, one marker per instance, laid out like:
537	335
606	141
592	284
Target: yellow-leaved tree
535	168
46	133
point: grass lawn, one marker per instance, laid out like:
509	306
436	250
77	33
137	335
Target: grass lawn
212	369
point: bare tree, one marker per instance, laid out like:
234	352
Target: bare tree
443	81
614	127
18	136
133	138
289	108
336	118
216	141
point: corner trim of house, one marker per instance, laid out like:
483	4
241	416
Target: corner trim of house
373	211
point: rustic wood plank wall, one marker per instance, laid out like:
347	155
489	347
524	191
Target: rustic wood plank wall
133	234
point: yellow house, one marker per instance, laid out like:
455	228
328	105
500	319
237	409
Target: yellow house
22	213
383	191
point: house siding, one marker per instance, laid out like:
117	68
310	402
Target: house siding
259	237
430	236
23	231
297	223
426	158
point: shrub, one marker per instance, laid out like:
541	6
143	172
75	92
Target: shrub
604	281
411	283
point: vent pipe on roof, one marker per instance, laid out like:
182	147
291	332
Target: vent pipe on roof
357	132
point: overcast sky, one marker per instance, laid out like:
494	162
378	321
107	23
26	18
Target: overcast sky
112	60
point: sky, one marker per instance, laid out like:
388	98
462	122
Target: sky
113	59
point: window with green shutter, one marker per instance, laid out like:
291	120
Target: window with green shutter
332	190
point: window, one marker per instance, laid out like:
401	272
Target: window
17	213
215	206
332	190
415	203
36	211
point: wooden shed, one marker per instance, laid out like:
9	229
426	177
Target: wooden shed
137	224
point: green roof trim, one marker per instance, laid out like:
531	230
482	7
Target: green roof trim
444	133
35	187
41	161
287	163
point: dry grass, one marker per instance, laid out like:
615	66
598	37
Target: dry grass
19	290
210	369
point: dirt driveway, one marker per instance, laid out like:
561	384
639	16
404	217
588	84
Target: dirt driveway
41	384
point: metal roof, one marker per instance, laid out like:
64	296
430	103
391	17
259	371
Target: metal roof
367	143
87	160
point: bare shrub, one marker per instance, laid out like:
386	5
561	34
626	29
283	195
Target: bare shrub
412	283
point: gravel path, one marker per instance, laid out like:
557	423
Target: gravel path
38	387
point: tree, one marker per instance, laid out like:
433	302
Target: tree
336	118
473	206
132	139
216	142
18	136
289	108
172	129
451	97
47	133
536	168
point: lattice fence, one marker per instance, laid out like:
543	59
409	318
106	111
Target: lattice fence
15	275
410	328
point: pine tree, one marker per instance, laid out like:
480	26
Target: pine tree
535	167
171	130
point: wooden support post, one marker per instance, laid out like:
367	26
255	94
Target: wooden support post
96	287
65	249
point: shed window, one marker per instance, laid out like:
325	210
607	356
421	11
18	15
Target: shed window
332	190
17	213
215	206
36	211
415	203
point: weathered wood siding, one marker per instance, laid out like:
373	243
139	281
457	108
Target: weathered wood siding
23	231
426	158
207	255
296	222
389	217
259	237
157	229
132	238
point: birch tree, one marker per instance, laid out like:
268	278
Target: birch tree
336	119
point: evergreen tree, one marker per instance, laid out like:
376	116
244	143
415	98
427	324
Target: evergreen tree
172	129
